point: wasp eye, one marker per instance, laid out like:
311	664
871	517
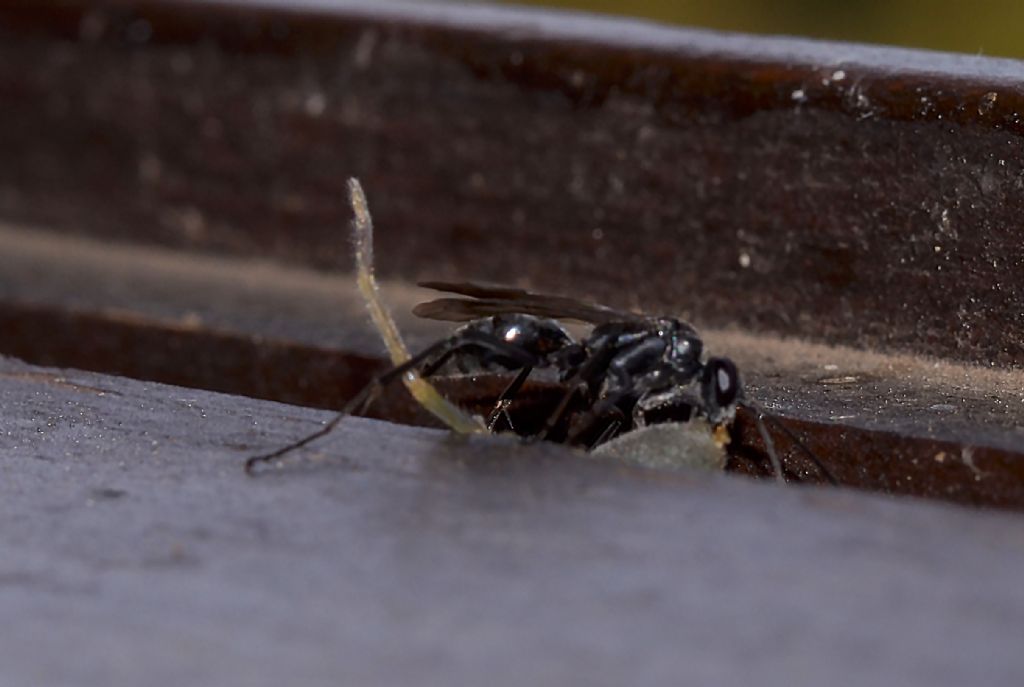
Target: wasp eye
724	383
727	381
720	388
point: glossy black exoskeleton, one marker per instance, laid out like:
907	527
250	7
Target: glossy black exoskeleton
502	343
628	367
627	372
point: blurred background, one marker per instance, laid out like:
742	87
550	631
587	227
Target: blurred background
989	28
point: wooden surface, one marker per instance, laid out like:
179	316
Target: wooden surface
847	194
891	423
841	220
135	551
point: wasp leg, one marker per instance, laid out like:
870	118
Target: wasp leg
499	346
505	400
606	407
590	370
492	344
444	349
680	401
606	435
356	404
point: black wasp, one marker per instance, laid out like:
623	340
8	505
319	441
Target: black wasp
625	373
628	367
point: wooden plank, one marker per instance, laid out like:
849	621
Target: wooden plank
890	423
136	551
854	195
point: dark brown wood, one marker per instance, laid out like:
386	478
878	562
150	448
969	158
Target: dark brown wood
889	423
863	196
860	196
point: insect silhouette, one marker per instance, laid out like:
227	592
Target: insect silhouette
629	371
625	373
628	367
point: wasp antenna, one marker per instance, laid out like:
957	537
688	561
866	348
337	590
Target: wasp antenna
606	434
807	451
769	445
761	417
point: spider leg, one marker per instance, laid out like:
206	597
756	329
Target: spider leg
424	393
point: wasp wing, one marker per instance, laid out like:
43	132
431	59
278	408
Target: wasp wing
487	300
476	289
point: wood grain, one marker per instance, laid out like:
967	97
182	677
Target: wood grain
851	195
